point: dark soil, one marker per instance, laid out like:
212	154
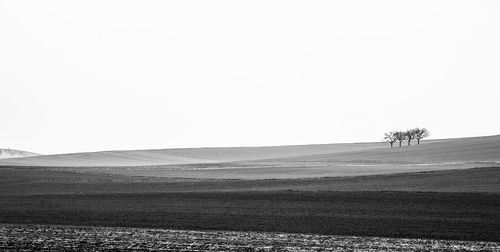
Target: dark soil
458	216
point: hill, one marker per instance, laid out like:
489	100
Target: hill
10	153
474	149
278	162
185	155
29	181
363	189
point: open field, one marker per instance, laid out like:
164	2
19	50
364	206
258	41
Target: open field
36	181
442	189
272	169
42	237
458	216
282	162
185	156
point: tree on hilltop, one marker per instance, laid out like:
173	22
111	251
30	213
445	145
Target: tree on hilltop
421	133
410	135
390	137
400	136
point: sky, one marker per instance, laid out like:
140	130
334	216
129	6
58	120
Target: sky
79	76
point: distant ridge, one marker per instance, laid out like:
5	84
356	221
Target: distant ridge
10	153
484	148
183	155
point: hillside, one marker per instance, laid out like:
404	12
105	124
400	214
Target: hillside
367	189
10	153
186	155
28	181
474	149
278	162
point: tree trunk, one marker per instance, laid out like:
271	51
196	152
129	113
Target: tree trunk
399	143
418	140
409	142
391	145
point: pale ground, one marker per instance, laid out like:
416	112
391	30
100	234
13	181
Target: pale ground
304	161
10	153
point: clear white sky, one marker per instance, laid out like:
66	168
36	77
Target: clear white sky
101	75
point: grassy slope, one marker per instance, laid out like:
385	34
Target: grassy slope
445	151
264	170
305	161
183	156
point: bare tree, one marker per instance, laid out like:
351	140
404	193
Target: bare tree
421	133
390	137
410	135
400	136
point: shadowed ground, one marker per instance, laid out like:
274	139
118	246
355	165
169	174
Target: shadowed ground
34	181
460	216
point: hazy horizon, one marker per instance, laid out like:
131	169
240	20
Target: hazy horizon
120	75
